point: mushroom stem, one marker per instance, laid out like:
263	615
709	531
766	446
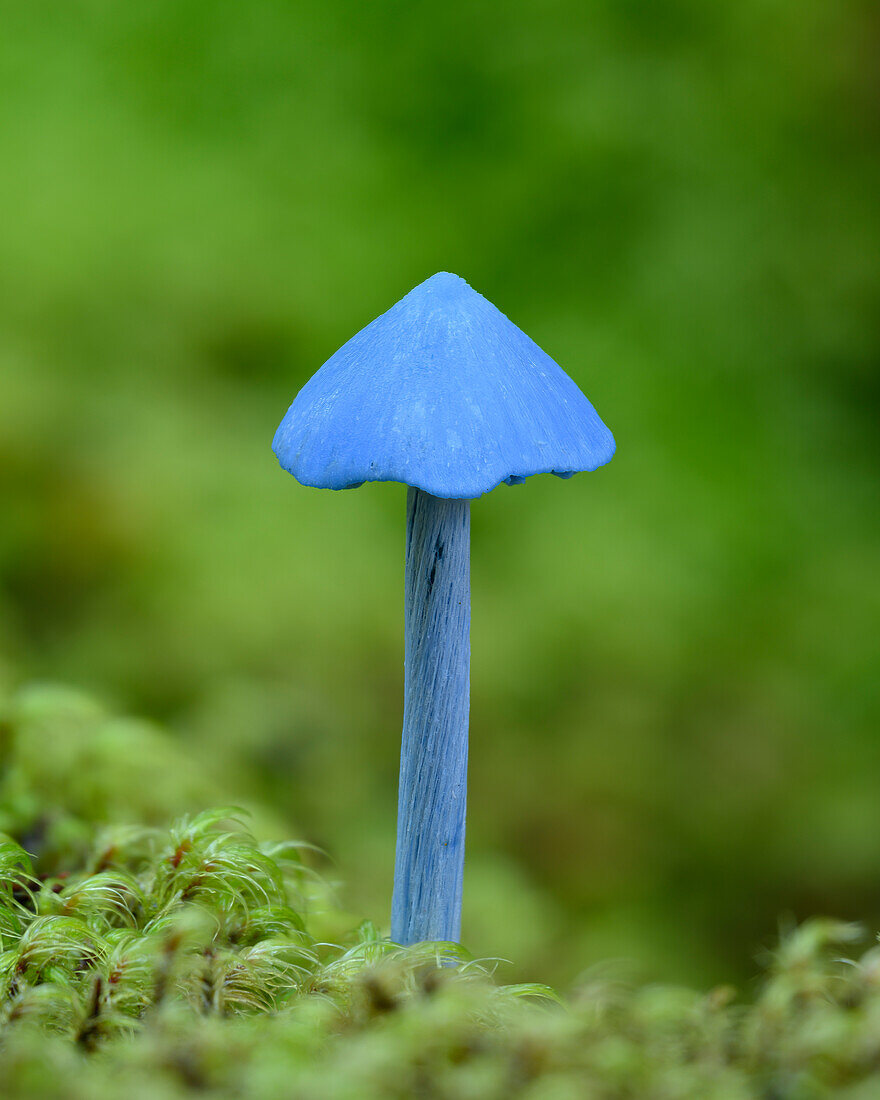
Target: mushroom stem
433	759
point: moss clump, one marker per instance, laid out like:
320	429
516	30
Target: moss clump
168	962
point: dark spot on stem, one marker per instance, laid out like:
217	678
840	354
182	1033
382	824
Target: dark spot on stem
438	557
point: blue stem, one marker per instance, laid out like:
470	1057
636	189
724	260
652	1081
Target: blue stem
433	758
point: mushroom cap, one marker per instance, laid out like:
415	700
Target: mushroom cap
443	393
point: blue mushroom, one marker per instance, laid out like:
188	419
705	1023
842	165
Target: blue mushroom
446	395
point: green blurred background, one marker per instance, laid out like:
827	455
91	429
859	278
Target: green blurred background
675	692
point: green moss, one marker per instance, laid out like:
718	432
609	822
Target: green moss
168	961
